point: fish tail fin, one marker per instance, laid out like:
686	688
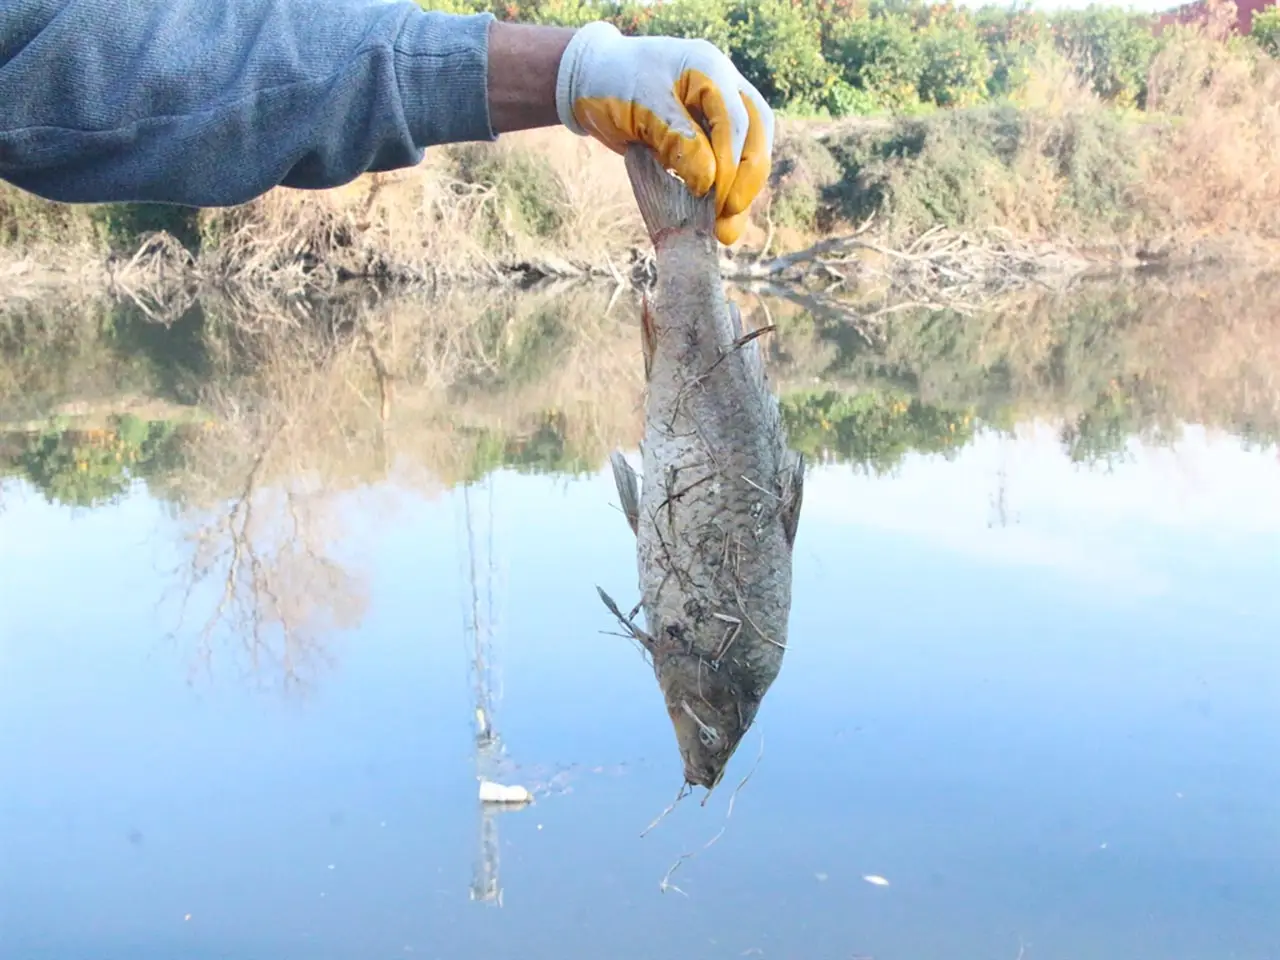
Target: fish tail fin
665	202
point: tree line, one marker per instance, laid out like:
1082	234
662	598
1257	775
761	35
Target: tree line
863	57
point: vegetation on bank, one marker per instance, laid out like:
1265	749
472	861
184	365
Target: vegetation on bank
1080	127
841	58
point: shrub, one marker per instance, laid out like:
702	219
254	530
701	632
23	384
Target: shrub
804	174
530	199
564	13
124	224
1266	30
455	6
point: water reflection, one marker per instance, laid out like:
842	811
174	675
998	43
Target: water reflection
1033	684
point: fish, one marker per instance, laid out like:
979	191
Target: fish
716	507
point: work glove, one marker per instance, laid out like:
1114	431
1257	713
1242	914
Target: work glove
664	92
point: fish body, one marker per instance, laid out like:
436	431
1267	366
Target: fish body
715	516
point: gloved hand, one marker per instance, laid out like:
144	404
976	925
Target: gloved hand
655	90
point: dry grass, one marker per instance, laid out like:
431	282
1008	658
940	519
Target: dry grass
467	211
1217	167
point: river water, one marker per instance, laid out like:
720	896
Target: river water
1032	690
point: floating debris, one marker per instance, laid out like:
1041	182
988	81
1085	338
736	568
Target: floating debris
491	792
876	880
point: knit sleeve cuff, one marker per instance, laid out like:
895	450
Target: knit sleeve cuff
442	67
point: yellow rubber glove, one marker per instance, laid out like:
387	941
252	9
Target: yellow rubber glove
664	92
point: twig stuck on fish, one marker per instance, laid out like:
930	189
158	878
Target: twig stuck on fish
760	633
684	791
746	338
737	344
767	493
627	622
731	634
666	883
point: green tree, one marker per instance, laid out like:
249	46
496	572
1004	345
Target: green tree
779	50
708	19
1112	50
956	64
1013	36
561	13
881	55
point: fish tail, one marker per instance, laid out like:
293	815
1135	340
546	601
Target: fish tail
665	202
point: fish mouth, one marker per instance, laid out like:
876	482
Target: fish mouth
709	782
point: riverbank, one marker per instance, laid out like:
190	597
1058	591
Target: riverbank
1051	181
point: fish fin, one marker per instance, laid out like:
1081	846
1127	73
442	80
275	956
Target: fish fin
752	355
665	202
648	336
646	641
628	485
792	496
735	319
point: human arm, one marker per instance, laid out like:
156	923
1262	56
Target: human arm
213	104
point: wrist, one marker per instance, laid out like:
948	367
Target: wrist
584	39
524	67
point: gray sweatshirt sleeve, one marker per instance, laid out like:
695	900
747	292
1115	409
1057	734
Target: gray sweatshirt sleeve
214	102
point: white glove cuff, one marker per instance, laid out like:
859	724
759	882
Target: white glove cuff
570	63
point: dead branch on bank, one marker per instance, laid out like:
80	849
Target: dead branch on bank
161	279
962	265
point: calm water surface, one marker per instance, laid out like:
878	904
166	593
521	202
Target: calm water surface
1040	699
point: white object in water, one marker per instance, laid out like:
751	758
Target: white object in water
879	881
491	792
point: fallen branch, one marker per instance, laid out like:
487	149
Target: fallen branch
965	266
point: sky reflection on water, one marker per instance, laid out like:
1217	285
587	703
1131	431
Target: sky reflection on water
1055	736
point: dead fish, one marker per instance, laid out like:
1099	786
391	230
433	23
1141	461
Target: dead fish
715	518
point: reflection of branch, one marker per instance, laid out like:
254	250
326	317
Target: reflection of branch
386	380
820	305
778	266
242	505
277	591
386	392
